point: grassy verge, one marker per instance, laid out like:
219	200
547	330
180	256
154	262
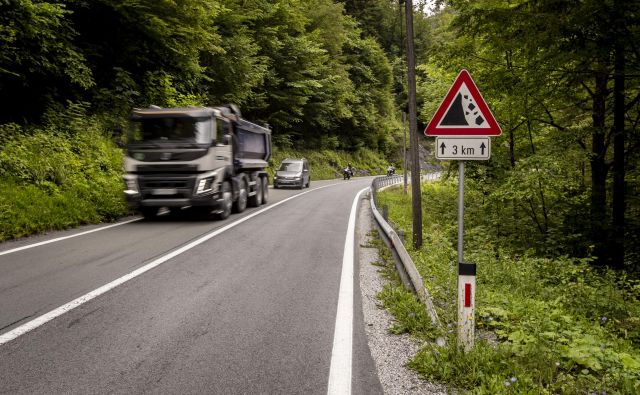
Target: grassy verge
61	175
544	325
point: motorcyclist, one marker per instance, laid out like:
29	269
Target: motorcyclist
348	171
391	170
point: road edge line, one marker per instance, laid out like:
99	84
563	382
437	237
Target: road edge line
340	370
67	237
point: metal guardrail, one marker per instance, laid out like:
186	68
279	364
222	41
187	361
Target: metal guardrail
397	245
383	182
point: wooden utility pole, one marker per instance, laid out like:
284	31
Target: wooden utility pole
416	196
404	150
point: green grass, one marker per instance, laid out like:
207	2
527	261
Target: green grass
58	179
557	325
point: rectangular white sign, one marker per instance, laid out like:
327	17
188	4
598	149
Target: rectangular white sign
463	148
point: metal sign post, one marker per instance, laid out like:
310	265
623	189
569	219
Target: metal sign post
466	278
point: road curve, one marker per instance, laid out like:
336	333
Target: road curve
250	310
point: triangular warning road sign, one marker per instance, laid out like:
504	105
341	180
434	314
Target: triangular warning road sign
463	112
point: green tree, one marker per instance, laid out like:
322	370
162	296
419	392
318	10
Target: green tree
554	63
153	44
39	60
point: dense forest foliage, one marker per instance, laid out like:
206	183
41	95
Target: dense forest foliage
560	76
304	67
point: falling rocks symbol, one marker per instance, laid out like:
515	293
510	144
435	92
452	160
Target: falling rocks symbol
462	112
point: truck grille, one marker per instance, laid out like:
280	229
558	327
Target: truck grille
167	169
152	184
166	187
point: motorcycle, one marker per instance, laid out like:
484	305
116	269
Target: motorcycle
391	171
346	173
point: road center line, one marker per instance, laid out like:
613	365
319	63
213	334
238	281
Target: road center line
341	354
43	319
67	237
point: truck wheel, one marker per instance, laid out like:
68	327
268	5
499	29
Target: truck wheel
256	200
265	190
241	204
149	212
227	201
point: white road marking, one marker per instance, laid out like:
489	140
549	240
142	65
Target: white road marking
43	319
341	354
66	237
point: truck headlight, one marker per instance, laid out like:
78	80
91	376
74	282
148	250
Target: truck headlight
206	184
131	186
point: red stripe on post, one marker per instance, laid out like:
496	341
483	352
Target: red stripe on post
467	295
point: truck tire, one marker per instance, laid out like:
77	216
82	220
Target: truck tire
227	201
265	190
149	212
256	200
241	204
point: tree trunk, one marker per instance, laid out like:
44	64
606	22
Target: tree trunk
618	196
599	171
544	228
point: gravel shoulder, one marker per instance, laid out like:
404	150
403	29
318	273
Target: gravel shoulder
390	352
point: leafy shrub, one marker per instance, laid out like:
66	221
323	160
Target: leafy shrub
554	325
65	173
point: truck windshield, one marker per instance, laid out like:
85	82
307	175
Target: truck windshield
178	129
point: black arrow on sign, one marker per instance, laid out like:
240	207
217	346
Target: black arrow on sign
482	147
442	147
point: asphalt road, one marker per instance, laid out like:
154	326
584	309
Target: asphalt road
222	308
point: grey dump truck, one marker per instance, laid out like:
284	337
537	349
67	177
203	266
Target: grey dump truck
206	158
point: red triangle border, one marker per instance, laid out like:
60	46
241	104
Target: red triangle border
432	128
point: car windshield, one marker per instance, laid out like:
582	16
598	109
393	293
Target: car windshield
170	129
291	166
